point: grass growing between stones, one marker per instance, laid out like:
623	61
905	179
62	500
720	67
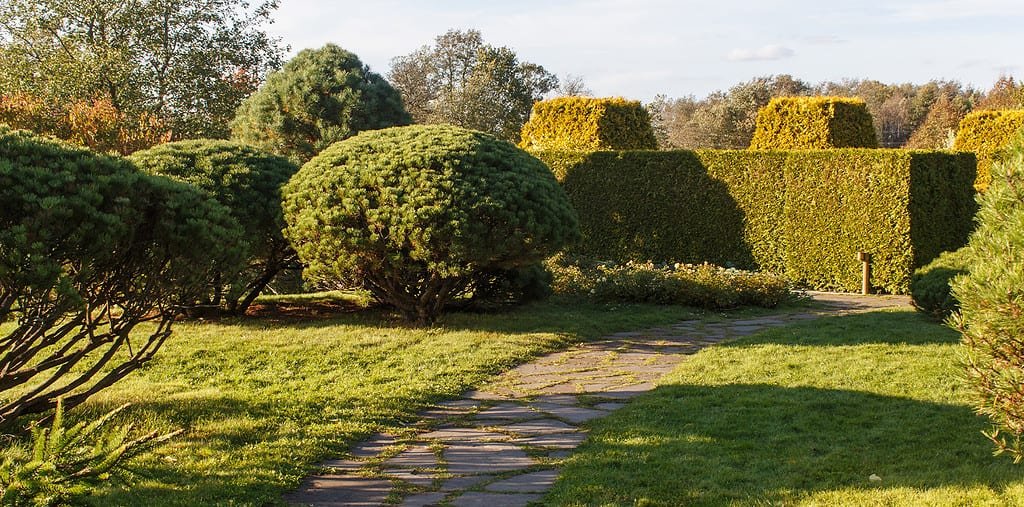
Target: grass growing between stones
802	415
265	400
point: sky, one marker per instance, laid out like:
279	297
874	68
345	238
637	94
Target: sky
641	48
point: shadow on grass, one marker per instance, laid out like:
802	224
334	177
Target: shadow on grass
763	444
877	327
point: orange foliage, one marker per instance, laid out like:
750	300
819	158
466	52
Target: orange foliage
96	123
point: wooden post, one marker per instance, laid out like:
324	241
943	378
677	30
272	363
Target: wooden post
865	287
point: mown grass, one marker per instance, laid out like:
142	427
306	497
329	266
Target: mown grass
264	400
802	415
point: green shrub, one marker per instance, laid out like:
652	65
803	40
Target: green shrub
804	214
417	214
67	462
248	182
703	285
89	248
321	96
813	123
991	297
988	134
930	286
586	123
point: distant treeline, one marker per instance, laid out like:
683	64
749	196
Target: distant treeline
905	115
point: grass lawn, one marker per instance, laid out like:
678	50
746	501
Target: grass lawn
803	415
264	400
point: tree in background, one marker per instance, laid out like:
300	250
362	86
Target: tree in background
723	119
573	86
938	130
183	64
462	81
1005	94
320	97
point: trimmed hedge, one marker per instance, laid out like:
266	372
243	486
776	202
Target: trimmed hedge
987	134
813	123
588	124
804	214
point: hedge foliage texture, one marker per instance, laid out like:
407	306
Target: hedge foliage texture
988	134
813	123
804	214
587	124
417	214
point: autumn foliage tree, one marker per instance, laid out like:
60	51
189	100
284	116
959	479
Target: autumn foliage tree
461	80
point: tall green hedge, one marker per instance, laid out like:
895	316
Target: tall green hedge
801	213
586	123
813	123
988	134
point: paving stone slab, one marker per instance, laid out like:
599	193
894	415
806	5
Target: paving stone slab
554	440
540	427
609	406
475	459
483	395
340	491
533	482
416	478
423	499
463	483
343	465
478	499
561	399
415	457
508	411
462	435
575	415
373	447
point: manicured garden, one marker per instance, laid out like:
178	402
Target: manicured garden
802	415
144	361
264	400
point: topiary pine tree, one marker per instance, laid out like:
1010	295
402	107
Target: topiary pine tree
89	248
320	97
418	214
991	299
246	180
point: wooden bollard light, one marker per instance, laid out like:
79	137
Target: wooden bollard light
865	287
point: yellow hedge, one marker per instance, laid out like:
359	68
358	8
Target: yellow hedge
987	134
813	123
588	124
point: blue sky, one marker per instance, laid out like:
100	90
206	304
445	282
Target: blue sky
641	48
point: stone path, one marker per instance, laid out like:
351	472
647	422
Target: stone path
501	446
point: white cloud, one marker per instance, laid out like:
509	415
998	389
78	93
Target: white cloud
769	52
936	10
825	40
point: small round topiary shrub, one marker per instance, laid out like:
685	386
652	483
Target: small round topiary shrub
246	180
991	299
417	214
929	287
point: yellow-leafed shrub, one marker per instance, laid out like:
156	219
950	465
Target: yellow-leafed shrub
813	123
586	123
987	134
